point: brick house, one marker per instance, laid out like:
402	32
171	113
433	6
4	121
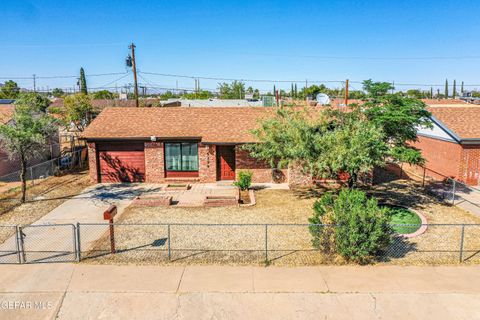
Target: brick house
452	147
159	145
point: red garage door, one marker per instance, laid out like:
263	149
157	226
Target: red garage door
121	162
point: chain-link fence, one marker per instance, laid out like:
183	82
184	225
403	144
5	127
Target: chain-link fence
68	161
442	187
284	244
280	244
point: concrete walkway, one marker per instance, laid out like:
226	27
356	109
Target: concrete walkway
69	291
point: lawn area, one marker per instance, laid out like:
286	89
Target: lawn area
401	216
46	195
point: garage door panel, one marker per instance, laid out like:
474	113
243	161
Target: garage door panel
122	166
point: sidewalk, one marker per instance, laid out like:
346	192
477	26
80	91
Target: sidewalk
78	291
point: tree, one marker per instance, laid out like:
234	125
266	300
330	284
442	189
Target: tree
446	88
202	94
454	93
415	93
104	94
312	91
331	141
296	91
27	135
57	93
10	90
233	90
78	111
358	229
83	82
376	90
325	144
461	88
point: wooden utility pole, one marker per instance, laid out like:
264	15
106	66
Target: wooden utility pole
346	92
134	67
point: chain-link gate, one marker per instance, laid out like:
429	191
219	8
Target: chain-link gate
47	243
9	247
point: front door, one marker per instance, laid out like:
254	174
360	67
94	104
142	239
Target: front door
226	162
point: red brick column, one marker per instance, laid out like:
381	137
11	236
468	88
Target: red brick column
92	162
207	163
154	162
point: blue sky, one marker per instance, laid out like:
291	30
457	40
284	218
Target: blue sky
282	40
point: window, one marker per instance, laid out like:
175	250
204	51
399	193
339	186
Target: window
182	156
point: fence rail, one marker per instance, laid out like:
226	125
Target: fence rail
289	244
443	187
68	161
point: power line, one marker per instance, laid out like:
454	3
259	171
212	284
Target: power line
238	79
63	77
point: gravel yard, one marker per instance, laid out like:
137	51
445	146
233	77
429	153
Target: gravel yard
287	245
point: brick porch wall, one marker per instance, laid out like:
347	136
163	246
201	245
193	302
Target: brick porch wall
154	162
207	163
262	172
92	162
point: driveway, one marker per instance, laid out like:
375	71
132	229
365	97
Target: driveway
56	243
78	291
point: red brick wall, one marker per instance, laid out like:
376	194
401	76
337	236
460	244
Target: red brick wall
262	171
154	162
441	156
207	163
92	162
470	164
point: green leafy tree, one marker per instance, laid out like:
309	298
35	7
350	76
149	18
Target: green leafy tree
331	141
104	94
325	144
27	135
78	111
202	94
360	231
376	90
233	90
454	93
58	93
10	90
83	82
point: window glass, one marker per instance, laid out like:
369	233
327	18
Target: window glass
189	156
181	156
173	156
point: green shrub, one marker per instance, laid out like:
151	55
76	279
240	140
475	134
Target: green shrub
244	180
361	231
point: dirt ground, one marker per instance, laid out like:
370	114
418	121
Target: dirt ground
209	243
46	195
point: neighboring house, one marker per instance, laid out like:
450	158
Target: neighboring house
216	102
159	145
452	147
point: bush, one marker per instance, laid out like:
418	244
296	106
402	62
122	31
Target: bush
361	231
244	180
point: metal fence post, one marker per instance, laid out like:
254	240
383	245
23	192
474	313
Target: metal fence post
266	243
462	237
168	239
79	248
21	244
17	244
453	191
31	176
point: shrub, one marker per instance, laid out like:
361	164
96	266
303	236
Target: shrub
244	180
361	231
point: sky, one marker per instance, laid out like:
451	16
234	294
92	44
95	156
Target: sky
408	42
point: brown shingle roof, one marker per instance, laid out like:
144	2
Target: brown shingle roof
6	112
464	121
224	125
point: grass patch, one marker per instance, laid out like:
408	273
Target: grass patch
399	215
